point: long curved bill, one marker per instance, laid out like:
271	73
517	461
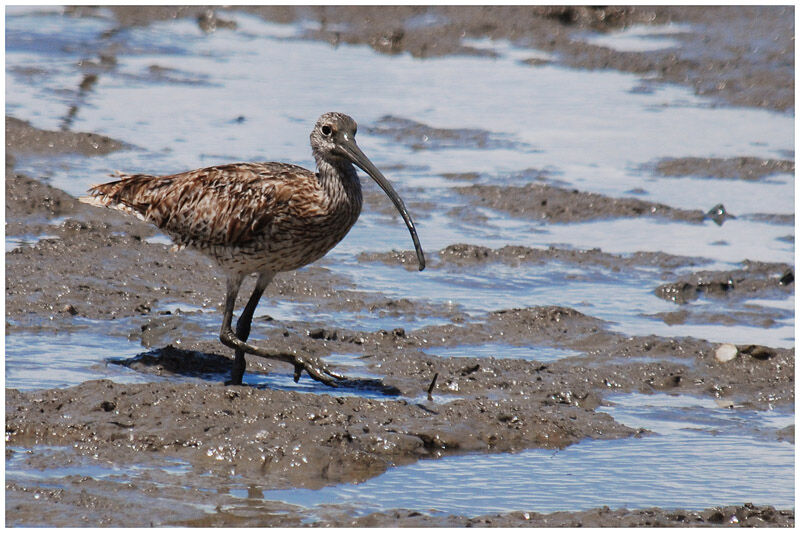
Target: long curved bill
355	154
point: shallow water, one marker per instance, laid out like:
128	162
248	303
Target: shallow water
233	96
640	37
45	360
698	458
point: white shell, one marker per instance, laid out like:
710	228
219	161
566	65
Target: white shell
726	352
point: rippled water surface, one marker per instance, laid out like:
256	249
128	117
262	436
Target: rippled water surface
695	459
234	96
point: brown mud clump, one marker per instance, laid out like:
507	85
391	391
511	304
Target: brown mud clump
754	279
22	138
284	438
554	204
743	168
747	515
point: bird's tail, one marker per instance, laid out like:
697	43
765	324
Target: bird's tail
129	194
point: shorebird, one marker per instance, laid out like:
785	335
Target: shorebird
260	218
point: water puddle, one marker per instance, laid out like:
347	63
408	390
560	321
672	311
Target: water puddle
18	468
624	297
699	458
45	360
541	123
15	241
640	38
669	414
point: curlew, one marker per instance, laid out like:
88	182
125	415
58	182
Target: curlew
260	218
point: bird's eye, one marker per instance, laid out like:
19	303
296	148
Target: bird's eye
326	130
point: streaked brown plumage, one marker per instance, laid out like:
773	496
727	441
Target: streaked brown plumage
259	218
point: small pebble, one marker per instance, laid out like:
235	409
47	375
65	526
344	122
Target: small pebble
726	352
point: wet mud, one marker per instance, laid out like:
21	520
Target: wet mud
464	255
743	168
22	138
744	516
554	204
754	279
88	268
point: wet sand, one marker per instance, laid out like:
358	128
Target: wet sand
495	405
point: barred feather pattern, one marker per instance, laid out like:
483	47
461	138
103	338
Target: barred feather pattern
249	217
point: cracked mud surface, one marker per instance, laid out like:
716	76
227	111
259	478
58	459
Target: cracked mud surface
96	265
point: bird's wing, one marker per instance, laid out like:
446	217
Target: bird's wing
230	205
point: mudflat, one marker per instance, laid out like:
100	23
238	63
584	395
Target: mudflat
92	267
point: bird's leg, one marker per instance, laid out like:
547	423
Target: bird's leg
243	326
315	369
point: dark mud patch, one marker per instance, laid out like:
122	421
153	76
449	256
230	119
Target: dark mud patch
741	168
610	361
464	255
747	515
24	139
418	136
554	204
754	279
26	197
284	438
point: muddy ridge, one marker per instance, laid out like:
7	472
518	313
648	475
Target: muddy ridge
464	255
256	432
22	138
753	279
747	515
554	204
743	168
420	136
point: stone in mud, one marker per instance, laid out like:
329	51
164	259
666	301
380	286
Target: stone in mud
719	214
726	352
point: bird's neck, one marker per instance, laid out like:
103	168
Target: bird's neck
339	181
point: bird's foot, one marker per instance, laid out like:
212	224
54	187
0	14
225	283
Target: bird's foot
316	370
